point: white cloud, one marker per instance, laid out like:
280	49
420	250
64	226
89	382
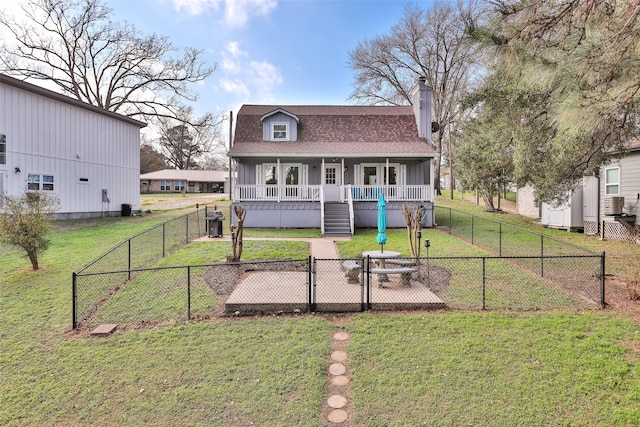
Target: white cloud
236	12
248	79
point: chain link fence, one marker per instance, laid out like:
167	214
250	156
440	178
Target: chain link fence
337	285
528	271
124	262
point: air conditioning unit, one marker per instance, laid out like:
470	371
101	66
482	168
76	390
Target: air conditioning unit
613	205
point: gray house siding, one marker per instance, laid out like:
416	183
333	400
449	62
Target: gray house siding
629	183
282	215
366	214
280	118
610	226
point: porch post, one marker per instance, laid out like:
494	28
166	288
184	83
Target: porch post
278	183
341	180
386	178
431	167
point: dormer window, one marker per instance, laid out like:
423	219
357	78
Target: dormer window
279	131
279	125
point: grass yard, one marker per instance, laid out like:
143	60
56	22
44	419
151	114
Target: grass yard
494	369
445	368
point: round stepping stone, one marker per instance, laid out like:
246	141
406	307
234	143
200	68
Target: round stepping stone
337	401
338	356
337	369
340	380
337	416
341	336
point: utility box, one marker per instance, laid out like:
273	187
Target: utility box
214	223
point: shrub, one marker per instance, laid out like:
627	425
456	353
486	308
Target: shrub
25	222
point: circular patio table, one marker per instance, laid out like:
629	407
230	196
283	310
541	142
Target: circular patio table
381	257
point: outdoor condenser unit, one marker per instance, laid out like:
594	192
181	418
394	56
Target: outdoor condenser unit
613	205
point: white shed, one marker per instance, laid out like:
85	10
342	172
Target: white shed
567	216
87	156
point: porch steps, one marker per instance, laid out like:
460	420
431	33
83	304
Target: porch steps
336	220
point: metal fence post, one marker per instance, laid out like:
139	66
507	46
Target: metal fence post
541	256
189	292
129	260
450	221
368	283
500	241
74	320
309	280
186	218
314	275
363	288
603	302
484	285
163	238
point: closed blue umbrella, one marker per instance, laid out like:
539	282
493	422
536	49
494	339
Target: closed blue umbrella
382	222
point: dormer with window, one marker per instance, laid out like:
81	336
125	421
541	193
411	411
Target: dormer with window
279	125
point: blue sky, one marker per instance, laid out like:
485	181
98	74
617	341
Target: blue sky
268	51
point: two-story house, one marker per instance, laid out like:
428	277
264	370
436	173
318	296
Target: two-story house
325	166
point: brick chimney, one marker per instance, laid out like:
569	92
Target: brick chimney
422	104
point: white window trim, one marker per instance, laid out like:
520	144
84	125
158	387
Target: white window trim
610	184
286	130
41	182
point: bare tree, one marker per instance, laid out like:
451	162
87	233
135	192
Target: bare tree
187	140
430	43
77	46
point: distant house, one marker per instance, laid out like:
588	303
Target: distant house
605	204
190	181
612	198
86	156
325	166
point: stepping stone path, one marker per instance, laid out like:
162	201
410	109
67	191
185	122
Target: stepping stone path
338	380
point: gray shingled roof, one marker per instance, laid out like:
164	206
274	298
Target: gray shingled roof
326	131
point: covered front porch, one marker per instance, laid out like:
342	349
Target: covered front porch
331	193
336	195
307	206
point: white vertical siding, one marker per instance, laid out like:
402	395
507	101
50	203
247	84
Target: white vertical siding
50	137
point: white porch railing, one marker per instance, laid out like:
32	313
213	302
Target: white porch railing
311	193
278	193
392	193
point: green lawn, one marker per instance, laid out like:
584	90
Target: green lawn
448	368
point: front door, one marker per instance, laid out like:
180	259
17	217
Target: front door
331	182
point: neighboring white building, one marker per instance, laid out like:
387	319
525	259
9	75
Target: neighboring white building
88	157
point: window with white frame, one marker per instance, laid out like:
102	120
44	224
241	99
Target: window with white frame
33	182
36	182
279	131
3	149
47	182
179	185
165	185
612	181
